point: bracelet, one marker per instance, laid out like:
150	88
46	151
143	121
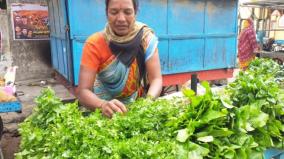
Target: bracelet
150	97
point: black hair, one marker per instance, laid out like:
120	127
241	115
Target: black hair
135	5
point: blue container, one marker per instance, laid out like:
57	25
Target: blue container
194	35
260	36
15	106
279	42
274	153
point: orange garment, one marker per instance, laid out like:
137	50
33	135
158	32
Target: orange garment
97	56
95	52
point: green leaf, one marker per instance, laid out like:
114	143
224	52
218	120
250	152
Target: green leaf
181	152
66	154
211	115
182	135
226	103
229	153
206	139
206	85
195	155
257	117
256	154
188	93
223	132
197	151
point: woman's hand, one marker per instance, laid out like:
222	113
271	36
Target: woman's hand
110	107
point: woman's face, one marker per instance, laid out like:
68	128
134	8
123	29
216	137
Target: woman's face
121	16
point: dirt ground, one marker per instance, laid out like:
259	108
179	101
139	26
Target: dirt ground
10	145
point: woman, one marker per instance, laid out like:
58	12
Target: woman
116	61
247	44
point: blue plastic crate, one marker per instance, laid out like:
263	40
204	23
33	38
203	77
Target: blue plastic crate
14	106
280	42
274	153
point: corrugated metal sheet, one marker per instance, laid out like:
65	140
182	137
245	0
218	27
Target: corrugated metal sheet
59	37
265	3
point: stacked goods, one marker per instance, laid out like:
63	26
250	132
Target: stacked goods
238	123
2	82
5	97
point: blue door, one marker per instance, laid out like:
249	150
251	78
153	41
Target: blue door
59	38
202	35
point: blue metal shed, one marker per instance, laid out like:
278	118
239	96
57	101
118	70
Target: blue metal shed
194	35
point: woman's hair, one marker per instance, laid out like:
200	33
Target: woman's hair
135	5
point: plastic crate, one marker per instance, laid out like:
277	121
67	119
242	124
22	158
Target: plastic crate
14	106
274	153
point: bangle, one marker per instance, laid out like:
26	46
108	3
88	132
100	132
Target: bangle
103	103
150	97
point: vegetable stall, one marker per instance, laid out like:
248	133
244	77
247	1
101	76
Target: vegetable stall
239	122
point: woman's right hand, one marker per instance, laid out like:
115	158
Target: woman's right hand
111	107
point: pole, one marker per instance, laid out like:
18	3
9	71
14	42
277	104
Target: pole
194	81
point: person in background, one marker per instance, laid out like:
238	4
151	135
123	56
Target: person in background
18	32
247	45
24	33
18	20
116	60
24	20
268	45
30	34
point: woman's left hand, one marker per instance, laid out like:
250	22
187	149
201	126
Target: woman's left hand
112	106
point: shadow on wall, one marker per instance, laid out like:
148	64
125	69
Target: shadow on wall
33	59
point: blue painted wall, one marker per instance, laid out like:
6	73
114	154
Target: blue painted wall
61	53
194	35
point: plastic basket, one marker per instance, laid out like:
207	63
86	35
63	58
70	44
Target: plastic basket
10	107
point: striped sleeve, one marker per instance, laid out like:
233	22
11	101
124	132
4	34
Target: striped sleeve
152	44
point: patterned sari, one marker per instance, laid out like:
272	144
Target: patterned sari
117	78
247	45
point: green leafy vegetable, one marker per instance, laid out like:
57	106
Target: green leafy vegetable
239	122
